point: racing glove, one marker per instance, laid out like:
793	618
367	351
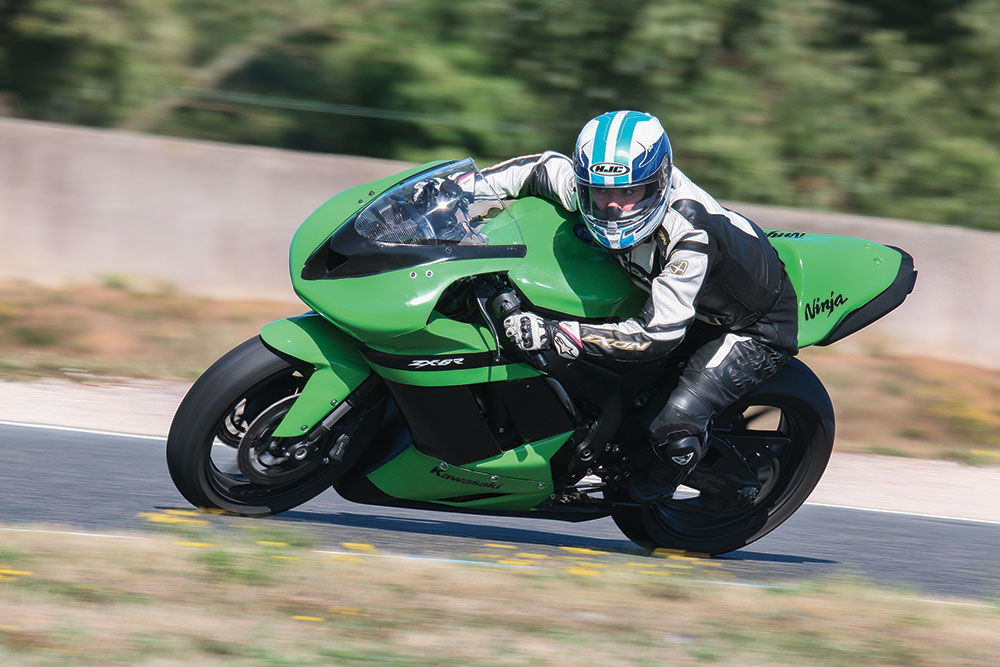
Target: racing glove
532	333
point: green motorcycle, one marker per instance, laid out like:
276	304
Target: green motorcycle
396	388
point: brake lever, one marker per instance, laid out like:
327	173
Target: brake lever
481	302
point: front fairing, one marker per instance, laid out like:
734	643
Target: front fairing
391	255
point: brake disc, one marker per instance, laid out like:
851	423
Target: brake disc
264	459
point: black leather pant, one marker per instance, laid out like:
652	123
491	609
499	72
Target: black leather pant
716	375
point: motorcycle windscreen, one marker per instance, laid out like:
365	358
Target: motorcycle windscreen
443	214
452	205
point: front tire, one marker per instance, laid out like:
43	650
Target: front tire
243	396
803	429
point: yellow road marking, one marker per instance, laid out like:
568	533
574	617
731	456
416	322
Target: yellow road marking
348	558
168	518
658	574
16	573
280	557
5	578
182	512
667	552
357	546
590	563
528	555
583	550
266	543
582	572
347	611
10	628
193	544
677	566
641	564
985	452
494	545
514	562
311	619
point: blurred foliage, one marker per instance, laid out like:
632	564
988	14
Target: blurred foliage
886	107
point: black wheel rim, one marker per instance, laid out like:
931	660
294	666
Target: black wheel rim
222	467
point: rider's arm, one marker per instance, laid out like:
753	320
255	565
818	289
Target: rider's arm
668	312
548	175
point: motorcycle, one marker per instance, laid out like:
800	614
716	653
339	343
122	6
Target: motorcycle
397	388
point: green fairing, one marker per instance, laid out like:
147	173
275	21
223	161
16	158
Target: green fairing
340	368
565	275
844	273
523	476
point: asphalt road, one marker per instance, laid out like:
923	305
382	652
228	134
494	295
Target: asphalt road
105	483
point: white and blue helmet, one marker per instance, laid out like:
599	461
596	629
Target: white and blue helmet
623	149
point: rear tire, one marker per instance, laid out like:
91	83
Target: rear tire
248	382
804	416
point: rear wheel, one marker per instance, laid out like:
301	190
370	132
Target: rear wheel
783	432
221	452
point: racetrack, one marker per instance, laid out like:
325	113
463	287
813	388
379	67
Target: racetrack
102	483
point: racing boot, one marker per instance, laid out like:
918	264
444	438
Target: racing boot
670	464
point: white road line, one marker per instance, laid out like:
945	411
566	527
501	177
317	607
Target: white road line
956	604
66	532
161	438
90	431
919	515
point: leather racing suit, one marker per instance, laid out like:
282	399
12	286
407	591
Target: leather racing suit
713	277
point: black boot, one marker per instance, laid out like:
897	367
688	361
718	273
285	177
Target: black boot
671	463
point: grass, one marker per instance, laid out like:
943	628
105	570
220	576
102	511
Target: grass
78	600
885	405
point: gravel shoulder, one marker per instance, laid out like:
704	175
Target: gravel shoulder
146	407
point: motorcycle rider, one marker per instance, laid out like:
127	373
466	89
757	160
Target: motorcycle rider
710	273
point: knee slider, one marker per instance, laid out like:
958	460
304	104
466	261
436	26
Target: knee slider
684	451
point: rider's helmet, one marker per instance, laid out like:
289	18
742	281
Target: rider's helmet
624	156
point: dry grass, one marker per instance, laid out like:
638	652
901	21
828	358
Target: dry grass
113	329
885	405
75	600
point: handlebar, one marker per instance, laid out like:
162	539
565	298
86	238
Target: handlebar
501	306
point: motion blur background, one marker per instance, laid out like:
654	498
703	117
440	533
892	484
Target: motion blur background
216	126
882	107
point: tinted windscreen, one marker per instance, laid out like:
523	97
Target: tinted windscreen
452	204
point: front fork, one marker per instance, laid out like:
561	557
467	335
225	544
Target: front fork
339	368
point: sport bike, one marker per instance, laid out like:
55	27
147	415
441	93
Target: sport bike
397	389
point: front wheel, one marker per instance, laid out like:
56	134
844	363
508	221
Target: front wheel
220	450
784	431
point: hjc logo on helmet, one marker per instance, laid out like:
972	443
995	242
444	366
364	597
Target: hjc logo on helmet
610	169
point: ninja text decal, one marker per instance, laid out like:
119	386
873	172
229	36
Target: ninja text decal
828	305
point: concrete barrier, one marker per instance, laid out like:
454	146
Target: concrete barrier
216	220
211	219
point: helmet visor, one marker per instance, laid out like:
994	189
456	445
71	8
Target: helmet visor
618	206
